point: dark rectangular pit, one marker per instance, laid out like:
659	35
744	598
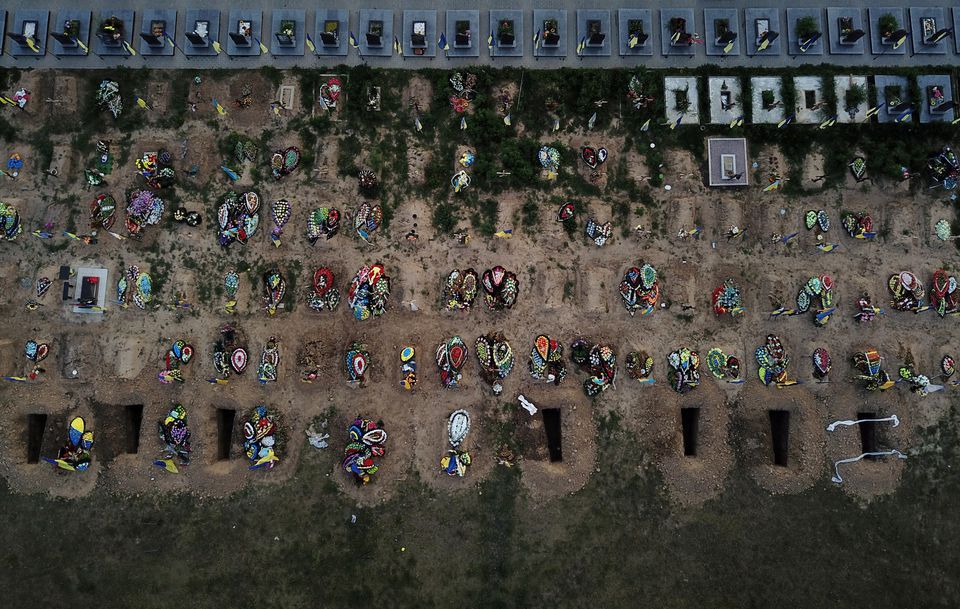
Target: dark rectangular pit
36	424
780	434
551	424
690	420
868	433
225	421
133	418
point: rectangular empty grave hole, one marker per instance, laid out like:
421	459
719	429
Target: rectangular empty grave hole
690	420
36	423
868	433
551	424
225	419
780	433
132	418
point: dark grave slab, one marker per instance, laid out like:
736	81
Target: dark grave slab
552	43
419	35
593	30
463	33
70	29
507	42
796	46
633	22
760	25
244	43
332	32
376	33
846	30
110	46
155	26
679	42
281	43
721	31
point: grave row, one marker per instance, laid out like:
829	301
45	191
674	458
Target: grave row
812	31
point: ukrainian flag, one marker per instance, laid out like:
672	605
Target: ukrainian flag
442	43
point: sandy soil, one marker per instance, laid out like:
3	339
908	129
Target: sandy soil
568	287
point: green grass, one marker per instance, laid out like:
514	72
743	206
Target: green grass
618	542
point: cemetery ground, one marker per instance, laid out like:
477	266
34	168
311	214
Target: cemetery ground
625	519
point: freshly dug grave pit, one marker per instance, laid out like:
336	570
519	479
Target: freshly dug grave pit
868	433
552	427
780	434
690	421
36	424
225	421
133	419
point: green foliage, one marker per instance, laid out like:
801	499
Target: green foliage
888	23
530	213
855	96
806	27
348	153
445	218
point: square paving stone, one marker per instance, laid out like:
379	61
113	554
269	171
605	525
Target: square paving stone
877	44
591	49
543	49
276	44
507	49
927	112
711	44
881	82
340	37
256	28
386	37
667	45
83	32
430	38
113	50
164	48
919	36
752	19
191	17
793	40
40	21
471	46
837	44
645	17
